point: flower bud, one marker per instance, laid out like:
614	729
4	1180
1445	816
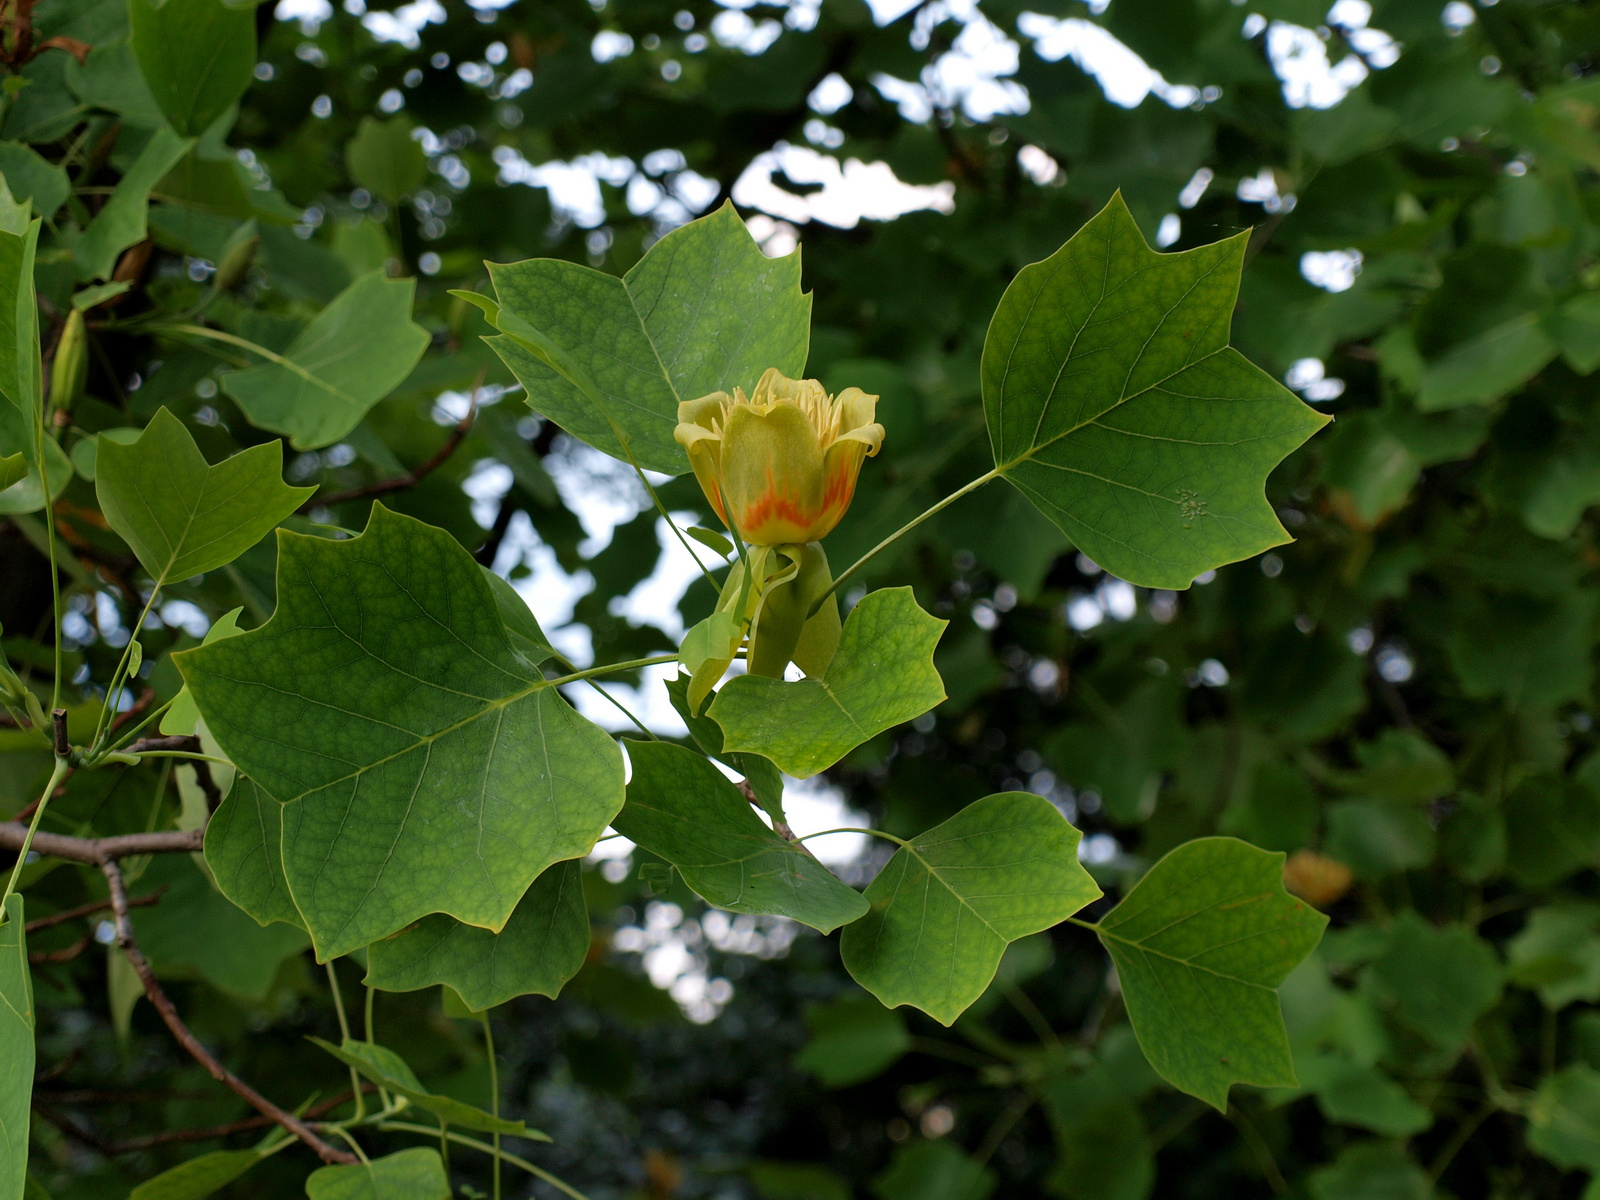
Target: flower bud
71	364
780	466
235	264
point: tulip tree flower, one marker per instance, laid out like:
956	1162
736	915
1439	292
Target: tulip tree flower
779	466
780	469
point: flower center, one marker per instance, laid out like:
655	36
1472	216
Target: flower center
821	409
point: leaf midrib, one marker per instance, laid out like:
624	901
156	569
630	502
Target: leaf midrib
1037	446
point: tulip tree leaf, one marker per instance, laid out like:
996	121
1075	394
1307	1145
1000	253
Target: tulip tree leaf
952	899
199	1177
16	1050
243	848
1115	404
13	469
20	397
1201	944
196	55
181	516
388	1070
385	159
123	221
415	1174
882	674
703	311
423	766
684	809
542	946
853	1038
765	780
357	350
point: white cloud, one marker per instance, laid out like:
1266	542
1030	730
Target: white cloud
851	192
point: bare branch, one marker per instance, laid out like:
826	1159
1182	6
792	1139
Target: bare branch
84	910
141	966
413	477
102	850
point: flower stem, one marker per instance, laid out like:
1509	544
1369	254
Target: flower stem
901	532
56	776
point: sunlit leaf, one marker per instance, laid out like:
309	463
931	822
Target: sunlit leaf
682	808
951	899
1116	405
542	946
881	675
352	355
182	516
422	764
1201	943
703	311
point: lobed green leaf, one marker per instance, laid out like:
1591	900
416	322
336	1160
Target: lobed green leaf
1115	404
1201	943
684	809
423	766
881	675
951	899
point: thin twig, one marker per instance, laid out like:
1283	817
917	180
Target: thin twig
84	910
411	478
42	1102
60	956
169	1014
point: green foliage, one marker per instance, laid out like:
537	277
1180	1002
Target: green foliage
682	808
388	1070
196	56
123	222
353	354
420	689
611	359
951	899
541	947
1200	944
1115	404
881	675
284	243
852	1038
181	516
415	1174
199	1177
385	159
17	1020
933	1171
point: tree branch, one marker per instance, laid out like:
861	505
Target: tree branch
413	477
84	910
102	850
169	1014
42	1102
